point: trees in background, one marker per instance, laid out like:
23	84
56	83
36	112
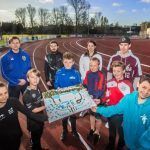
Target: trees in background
20	14
43	16
31	13
59	21
80	8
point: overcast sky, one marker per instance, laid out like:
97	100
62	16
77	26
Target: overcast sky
126	12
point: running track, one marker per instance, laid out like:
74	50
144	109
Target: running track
106	47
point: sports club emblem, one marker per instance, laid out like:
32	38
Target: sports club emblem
24	58
144	119
33	95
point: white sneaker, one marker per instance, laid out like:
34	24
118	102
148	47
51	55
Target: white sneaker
83	113
107	125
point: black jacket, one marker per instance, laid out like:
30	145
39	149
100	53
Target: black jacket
32	99
9	123
53	62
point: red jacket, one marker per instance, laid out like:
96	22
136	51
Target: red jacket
116	90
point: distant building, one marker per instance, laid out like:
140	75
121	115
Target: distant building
145	30
148	32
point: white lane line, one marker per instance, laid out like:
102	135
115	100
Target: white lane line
22	48
77	42
86	48
84	143
8	49
36	65
81	138
71	52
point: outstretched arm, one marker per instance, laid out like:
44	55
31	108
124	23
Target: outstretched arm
19	107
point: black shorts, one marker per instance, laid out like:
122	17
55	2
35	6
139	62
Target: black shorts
96	115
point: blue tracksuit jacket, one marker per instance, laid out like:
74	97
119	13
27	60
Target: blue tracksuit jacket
14	66
136	120
95	83
67	77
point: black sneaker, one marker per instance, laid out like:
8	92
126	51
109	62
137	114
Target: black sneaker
90	135
96	138
83	113
75	134
30	143
109	147
63	135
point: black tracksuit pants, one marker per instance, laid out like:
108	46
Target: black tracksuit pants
73	123
36	139
115	124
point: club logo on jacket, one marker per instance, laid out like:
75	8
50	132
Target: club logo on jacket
24	58
33	95
2	116
72	77
10	111
144	119
11	58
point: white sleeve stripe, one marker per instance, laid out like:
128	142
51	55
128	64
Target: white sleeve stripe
138	64
46	59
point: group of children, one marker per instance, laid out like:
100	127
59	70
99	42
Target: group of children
127	113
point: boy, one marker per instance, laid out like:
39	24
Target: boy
14	66
65	77
95	84
135	108
53	62
10	129
133	69
32	100
117	88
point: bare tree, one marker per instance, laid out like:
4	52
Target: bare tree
43	15
80	6
92	23
31	11
56	17
63	14
105	21
88	13
98	18
84	18
21	16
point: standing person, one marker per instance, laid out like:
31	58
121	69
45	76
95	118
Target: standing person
65	77
32	98
14	66
135	108
84	63
53	62
133	69
117	88
10	130
95	83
